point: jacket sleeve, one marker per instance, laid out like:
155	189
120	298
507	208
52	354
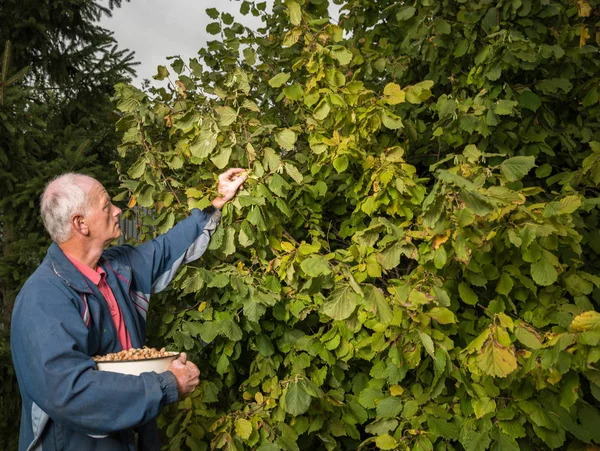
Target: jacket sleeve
155	262
49	350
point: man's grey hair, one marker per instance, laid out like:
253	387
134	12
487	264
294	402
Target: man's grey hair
63	197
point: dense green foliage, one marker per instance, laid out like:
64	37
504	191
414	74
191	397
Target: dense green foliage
57	75
413	262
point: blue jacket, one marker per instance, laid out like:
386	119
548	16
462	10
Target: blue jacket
60	320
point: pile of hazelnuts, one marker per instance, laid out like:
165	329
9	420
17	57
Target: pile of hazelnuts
133	354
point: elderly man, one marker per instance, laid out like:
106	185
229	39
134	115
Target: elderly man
85	300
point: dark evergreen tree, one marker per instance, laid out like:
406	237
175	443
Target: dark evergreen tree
56	81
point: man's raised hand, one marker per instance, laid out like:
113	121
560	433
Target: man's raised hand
229	183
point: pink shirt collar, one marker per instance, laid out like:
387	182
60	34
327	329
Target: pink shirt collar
94	276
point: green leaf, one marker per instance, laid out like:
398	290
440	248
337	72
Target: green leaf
441	428
441	257
315	266
389	407
213	13
293	92
342	54
420	92
543	273
442	315
293	172
591	97
243	428
322	110
279	79
209	331
386	441
162	73
271	159
297	400
375	298
286	138
213	28
390	120
227	115
405	13
496	360
504	107
528	337
467	294
553	85
341	304
264	346
570	390
254	310
341	163
475	441
516	168
427	343
505	284
228	247
483	406
249	56
504	442
221	159
295	13
137	169
529	100
512	428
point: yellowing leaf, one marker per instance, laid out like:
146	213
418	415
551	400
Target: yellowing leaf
396	390
287	246
202	306
583	8
496	360
589	320
584	35
394	94
440	239
132	202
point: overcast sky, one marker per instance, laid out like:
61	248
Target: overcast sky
155	29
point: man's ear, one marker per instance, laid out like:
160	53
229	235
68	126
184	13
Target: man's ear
80	225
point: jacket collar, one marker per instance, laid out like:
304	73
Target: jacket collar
64	269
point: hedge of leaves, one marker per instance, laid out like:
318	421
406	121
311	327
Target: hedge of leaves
413	263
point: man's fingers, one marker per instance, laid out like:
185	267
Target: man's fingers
182	357
230	173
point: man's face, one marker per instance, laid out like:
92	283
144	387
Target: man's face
102	216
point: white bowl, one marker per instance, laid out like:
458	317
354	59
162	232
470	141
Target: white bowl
137	367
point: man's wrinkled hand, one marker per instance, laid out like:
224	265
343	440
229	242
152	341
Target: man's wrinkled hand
186	373
229	183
